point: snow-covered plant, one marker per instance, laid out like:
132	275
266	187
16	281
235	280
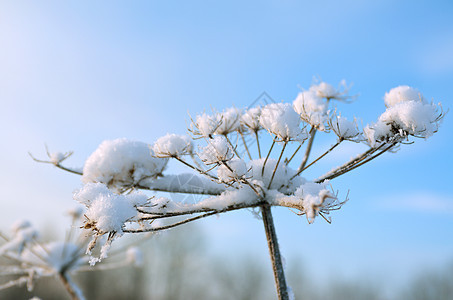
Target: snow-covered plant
225	156
29	258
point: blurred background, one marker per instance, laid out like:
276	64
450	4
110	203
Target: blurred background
75	73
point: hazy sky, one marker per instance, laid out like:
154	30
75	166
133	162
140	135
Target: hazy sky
74	73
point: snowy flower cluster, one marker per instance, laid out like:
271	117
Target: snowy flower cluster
407	114
216	151
245	158
172	145
281	120
107	211
123	163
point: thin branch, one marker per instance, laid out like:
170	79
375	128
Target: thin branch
195	168
317	159
361	163
56	165
294	154
245	145
267	157
258	143
234	148
308	149
276	165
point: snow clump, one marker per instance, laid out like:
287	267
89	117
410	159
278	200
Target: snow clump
315	199
402	93
406	118
232	171
172	145
344	128
311	108
229	120
122	162
107	211
217	150
281	119
251	119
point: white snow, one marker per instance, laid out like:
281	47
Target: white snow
57	157
405	118
314	197
217	150
325	90
122	162
229	120
281	177
281	119
107	211
311	108
402	93
250	119
344	128
172	145
234	170
205	125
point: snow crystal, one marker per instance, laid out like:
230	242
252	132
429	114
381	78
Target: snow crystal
229	120
172	145
281	119
234	170
217	150
107	211
311	108
122	162
250	119
402	93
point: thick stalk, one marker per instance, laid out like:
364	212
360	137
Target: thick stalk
274	251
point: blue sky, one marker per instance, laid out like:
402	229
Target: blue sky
75	73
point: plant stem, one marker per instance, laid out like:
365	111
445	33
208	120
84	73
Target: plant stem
274	251
308	150
258	144
69	286
245	145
